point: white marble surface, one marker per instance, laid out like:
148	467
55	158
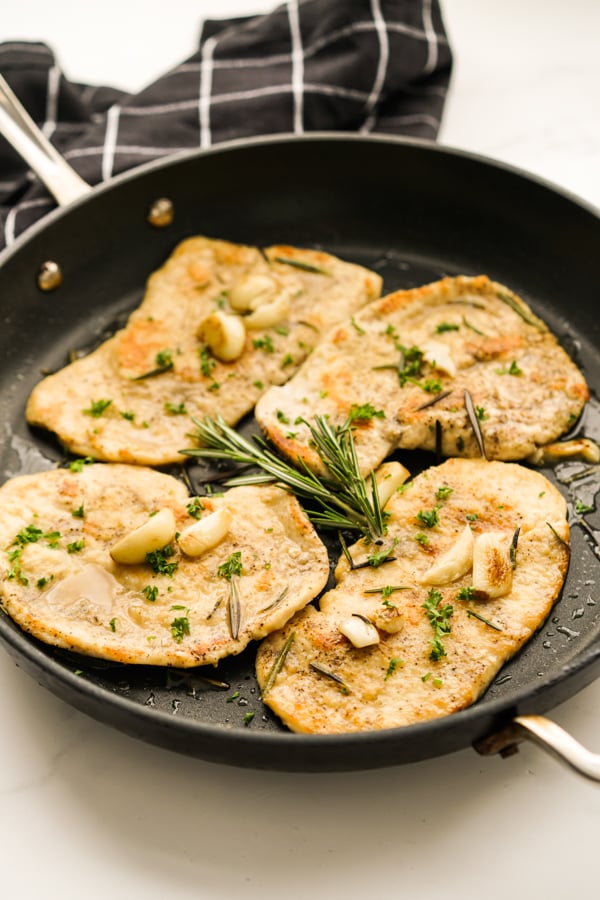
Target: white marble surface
86	811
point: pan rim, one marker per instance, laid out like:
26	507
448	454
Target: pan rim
242	144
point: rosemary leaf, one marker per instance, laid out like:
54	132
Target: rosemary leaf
342	497
474	422
278	664
300	264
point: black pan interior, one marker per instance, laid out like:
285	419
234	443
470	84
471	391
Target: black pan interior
414	212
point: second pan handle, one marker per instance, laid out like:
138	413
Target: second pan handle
31	144
547	735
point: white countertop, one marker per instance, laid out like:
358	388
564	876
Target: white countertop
88	812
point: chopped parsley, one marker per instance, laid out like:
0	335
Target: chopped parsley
439	619
207	362
393	665
446	326
97	408
264	343
75	546
443	492
150	592
428	517
157	559
180	626
77	465
232	566
195	507
364	412
175	409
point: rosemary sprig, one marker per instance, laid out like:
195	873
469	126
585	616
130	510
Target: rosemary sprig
343	499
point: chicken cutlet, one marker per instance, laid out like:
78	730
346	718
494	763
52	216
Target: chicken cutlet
120	563
475	555
219	324
407	366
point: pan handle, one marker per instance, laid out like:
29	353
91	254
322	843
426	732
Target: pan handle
31	144
547	735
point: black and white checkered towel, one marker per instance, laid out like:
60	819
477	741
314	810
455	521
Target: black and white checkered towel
310	65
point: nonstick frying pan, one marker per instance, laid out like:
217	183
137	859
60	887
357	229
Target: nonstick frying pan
413	211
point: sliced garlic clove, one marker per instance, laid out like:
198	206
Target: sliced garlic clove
438	356
206	533
389	477
155	533
579	448
225	335
453	562
359	631
249	289
492	567
266	315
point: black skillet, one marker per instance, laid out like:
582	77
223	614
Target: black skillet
414	212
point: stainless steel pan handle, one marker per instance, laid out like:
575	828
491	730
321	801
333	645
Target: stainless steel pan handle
547	735
23	134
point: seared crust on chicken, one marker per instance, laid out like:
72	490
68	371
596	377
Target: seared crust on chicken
131	399
412	355
439	638
59	581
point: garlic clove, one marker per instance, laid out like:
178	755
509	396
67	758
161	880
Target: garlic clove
438	356
206	533
266	315
359	631
492	567
453	562
155	533
224	334
579	448
249	289
389	477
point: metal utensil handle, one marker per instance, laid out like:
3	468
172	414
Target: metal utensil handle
31	144
547	735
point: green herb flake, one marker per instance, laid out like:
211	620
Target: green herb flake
443	492
439	619
264	343
76	465
180	626
113	624
364	412
582	508
150	592
393	666
428	517
157	560
97	408
356	326
421	538
75	546
207	362
195	508
248	718
288	360
446	326
43	581
175	409
232	566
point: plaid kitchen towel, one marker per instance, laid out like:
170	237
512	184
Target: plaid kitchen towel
370	66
